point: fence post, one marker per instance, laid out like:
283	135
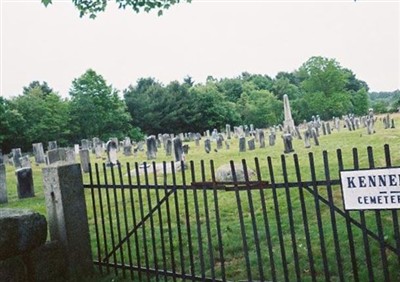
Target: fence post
67	217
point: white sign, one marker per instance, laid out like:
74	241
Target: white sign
371	189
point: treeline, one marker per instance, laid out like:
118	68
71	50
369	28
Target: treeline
383	102
96	109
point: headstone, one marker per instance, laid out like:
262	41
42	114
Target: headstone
272	138
287	142
328	127
85	144
185	149
227	146
56	155
251	144
228	131
127	146
288	123
25	183
111	148
207	145
178	149
392	123
85	160
98	150
39	153
246	131
52	145
76	149
168	147
307	137
298	134
25	162
70	156
315	137
197	141
323	128
3	184
370	126
16	155
220	139
242	144
261	138
151	147
115	139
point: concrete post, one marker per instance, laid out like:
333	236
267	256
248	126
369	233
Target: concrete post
67	216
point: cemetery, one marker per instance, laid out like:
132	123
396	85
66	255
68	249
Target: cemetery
160	162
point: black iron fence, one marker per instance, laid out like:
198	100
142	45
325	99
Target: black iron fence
284	222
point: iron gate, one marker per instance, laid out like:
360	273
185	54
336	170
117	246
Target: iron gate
154	222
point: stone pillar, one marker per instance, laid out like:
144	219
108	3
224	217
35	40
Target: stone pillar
3	184
25	183
67	217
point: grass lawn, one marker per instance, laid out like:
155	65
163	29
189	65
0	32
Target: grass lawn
163	240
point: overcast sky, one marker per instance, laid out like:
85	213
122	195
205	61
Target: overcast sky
218	38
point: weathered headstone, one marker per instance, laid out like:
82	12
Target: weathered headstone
25	162
16	155
207	145
315	136
115	139
168	147
76	149
392	123
287	142
151	147
288	123
52	145
127	146
3	184
227	146
272	138
39	153
251	144
178	149
25	183
298	134
85	160
261	138
70	156
307	137
56	155
323	128
328	127
111	148
185	149
220	139
228	131
85	144
242	144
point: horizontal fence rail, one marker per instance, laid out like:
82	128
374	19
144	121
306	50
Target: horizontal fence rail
271	222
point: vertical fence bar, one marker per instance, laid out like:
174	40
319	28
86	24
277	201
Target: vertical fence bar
199	236
319	219
188	228
152	229
146	258
160	219
278	220
103	224
126	222
378	219
217	218
364	227
348	226
171	245
266	223
95	217
290	215
305	218
395	218
208	227
333	216
241	220
133	210
253	221
178	223
117	218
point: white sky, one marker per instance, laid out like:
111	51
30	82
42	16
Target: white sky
218	38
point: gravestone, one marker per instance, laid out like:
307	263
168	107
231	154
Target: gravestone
261	138
227	146
84	144
370	126
3	184
98	150
251	144
85	160
111	148
185	149
56	155
298	134
288	123
228	131
242	144
272	138
328	128
287	142
246	131
70	156
178	149
307	137
315	136
168	147
52	145
214	134
39	153
25	183
323	128
151	147
127	146
392	123
220	139
25	162
197	141
207	145
76	149
337	124
16	155
115	139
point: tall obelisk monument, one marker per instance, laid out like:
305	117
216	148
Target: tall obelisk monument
288	124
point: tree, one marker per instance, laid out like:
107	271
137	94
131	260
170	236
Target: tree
96	110
93	7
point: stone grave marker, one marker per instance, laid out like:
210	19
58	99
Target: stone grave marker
25	183
52	145
315	136
228	131
3	184
25	162
127	146
185	149
85	160
272	138
16	155
151	147
76	149
168	147
178	149
307	137
242	144
38	153
56	155
111	148
261	137
220	139
251	144
287	142
207	145
70	155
